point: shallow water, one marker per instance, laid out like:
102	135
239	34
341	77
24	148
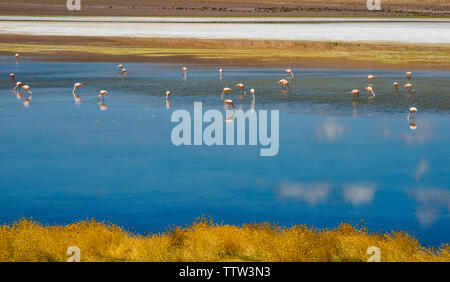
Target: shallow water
339	160
320	29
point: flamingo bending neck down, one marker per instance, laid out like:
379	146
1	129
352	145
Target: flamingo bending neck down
409	87
370	90
225	91
18	85
102	95
408	74
289	71
355	93
240	85
76	96
284	83
230	102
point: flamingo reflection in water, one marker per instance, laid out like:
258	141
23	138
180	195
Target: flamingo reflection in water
76	96
27	100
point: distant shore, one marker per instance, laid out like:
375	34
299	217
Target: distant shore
245	8
211	52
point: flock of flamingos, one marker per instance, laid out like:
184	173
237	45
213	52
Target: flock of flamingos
283	82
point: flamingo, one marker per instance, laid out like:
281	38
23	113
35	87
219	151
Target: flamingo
371	77
17	57
226	90
77	97
409	87
370	90
184	69
120	66
408	74
284	83
395	85
102	95
18	85
240	85
220	73
252	91
124	71
289	71
230	102
12	76
412	110
355	92
167	95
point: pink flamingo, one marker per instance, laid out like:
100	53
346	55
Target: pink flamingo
355	93
102	95
289	71
226	90
76	96
408	74
370	90
412	110
240	85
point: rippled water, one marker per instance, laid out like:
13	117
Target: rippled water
340	159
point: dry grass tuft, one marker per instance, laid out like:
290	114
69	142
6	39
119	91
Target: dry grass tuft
204	240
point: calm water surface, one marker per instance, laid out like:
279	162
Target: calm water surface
340	160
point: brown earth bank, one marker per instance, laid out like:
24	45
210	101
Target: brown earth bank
326	8
213	53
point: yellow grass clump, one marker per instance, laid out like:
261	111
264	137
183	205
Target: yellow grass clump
204	240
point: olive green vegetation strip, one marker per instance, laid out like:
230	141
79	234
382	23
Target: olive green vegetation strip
439	56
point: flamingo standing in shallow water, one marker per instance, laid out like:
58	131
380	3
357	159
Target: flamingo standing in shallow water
252	91
284	83
102	95
18	85
184	69
355	93
77	97
409	87
395	85
240	85
371	77
226	90
370	90
220	73
17	57
230	102
124	71
289	71
408	74
12	76
412	110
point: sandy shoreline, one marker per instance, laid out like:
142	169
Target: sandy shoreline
211	52
205	8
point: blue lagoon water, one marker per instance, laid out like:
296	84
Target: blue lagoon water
339	160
